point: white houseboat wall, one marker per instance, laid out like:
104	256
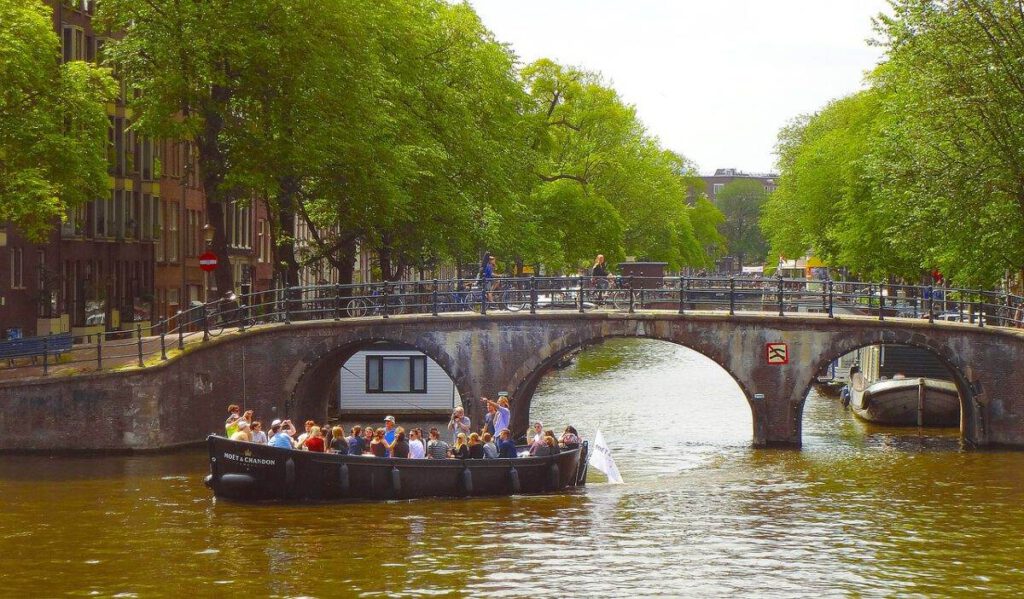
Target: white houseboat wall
390	379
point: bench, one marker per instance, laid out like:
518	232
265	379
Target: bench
32	347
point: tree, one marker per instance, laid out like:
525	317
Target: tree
740	202
53	123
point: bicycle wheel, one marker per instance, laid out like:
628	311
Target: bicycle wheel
618	299
513	300
396	304
357	306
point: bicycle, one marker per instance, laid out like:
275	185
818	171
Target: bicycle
374	303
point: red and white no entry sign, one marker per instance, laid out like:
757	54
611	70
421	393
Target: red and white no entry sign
208	261
777	353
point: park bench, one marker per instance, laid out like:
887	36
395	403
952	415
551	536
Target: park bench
33	347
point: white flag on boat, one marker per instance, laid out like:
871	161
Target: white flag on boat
601	458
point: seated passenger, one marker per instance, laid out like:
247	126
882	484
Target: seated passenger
536	441
356	446
490	450
313	441
400	447
280	436
242	434
258	436
378	447
339	444
570	439
550	447
368	435
436	448
309	427
417	450
460	450
506	448
476	448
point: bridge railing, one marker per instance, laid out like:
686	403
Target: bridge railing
135	346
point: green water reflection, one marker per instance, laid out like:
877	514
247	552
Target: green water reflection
859	511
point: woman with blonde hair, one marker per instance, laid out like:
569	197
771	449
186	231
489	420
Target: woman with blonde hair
461	448
339	444
476	447
399	448
243	433
314	441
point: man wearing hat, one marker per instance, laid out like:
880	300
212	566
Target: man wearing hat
389	429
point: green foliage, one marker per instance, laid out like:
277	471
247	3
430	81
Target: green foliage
740	202
604	185
53	124
405	127
923	170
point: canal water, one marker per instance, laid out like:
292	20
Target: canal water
858	511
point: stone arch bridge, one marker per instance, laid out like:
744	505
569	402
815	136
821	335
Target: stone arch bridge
286	369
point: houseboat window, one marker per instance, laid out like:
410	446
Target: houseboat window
396	374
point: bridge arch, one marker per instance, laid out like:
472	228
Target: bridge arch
318	370
526	378
840	345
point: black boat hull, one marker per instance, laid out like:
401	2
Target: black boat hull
251	472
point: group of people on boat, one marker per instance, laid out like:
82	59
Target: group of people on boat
494	440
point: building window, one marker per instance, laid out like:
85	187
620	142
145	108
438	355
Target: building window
171	218
396	374
263	241
192	234
17	269
76	45
716	189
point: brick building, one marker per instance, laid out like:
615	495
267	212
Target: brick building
130	258
713	184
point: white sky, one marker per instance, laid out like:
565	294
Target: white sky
714	79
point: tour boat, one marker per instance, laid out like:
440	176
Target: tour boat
255	472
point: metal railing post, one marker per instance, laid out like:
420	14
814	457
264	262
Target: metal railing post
632	300
181	332
286	295
99	350
581	295
385	297
533	295
163	345
483	296
433	299
682	287
781	290
831	300
931	304
206	325
46	354
881	302
981	306
337	302
138	332
732	296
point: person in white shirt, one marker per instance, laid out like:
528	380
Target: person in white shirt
417	450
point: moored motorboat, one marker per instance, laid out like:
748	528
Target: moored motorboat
906	402
254	472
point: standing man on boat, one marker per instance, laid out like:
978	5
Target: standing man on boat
389	429
459	423
502	413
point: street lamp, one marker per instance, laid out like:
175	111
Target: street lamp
208	232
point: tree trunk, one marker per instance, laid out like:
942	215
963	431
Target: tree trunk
286	208
213	168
